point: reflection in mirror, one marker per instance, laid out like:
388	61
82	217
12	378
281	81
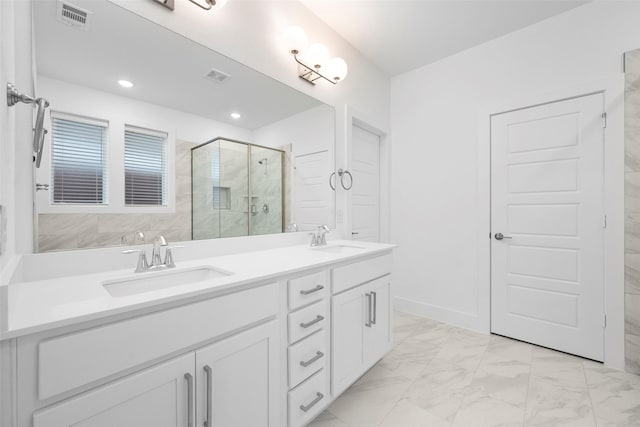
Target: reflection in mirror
236	190
165	155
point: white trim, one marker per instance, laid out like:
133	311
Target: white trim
441	314
613	88
354	117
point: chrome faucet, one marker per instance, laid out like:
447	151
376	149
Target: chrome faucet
158	243
156	259
319	237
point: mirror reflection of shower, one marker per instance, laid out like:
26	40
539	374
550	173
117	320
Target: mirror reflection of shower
237	189
264	162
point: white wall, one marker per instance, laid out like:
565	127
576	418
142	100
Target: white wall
435	121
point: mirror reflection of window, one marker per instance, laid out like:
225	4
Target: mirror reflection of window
145	167
78	160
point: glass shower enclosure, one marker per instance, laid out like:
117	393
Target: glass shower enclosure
237	189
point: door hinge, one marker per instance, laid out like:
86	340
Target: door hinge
604	221
604	320
604	120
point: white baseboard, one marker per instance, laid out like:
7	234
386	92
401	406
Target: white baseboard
441	314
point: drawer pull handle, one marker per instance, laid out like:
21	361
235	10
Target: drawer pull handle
319	397
190	407
368	309
318	318
310	291
375	308
318	355
208	422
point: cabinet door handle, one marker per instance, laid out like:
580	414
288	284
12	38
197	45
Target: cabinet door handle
190	407
318	355
310	291
319	397
375	308
209	421
368	322
318	318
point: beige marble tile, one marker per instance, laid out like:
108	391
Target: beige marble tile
559	368
632	314
122	223
510	349
615	395
406	414
632	273
440	390
632	353
632	192
484	411
549	403
56	242
500	379
327	419
76	224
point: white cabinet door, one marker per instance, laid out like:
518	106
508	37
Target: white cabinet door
155	397
378	334
238	380
349	315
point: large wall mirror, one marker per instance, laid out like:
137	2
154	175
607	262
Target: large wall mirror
194	146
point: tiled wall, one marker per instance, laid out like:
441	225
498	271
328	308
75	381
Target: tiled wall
266	185
74	231
632	211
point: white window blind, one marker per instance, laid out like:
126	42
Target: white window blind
78	160
145	167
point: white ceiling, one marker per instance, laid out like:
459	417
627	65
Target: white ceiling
400	35
166	68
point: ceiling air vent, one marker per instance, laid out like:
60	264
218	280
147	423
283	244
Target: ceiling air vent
217	75
73	15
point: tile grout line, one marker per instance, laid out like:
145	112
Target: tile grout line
593	407
526	399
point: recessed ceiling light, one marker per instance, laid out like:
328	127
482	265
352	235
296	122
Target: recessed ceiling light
125	83
235	116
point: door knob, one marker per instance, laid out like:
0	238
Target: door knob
500	236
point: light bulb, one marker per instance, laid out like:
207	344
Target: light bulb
295	39
337	69
125	83
317	55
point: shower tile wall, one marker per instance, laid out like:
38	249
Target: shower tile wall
266	191
210	222
76	231
632	211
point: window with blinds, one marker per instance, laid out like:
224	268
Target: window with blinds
145	167
78	160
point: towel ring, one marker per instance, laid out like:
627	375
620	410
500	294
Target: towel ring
333	187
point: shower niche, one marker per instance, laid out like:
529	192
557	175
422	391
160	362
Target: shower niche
237	189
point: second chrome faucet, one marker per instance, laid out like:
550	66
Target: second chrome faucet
157	262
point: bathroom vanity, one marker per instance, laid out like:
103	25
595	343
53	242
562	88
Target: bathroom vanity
267	338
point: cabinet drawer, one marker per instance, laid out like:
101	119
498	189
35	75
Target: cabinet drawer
307	357
77	359
307	400
306	321
307	289
348	276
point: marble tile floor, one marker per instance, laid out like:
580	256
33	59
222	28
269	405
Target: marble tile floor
442	376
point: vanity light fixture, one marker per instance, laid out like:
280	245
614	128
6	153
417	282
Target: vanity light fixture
125	83
209	4
317	55
235	115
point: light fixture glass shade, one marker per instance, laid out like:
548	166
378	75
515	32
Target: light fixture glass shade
317	54
337	69
220	4
295	39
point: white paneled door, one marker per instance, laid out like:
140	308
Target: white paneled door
547	225
311	193
365	202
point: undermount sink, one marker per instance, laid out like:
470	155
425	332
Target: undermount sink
157	280
338	249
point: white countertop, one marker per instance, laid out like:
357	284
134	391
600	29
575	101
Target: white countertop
46	304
